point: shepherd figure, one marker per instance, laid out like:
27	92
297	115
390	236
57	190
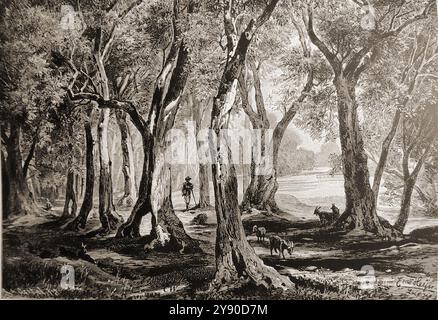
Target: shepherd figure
187	191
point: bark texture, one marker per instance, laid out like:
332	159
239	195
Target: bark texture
418	137
87	203
128	168
198	112
70	196
360	208
360	212
110	220
236	260
263	185
154	195
17	201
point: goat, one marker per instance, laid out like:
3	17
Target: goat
335	212
279	245
260	232
327	218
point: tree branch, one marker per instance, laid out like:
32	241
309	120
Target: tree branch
330	56
126	106
253	117
31	152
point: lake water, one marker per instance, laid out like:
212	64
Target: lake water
300	194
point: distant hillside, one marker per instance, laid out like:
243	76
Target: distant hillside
292	159
323	157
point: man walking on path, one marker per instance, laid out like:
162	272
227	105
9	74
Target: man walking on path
187	191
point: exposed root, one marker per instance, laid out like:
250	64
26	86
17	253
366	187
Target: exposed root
75	224
110	221
385	231
160	240
128	230
242	267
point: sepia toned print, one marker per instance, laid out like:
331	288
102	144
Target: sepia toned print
219	149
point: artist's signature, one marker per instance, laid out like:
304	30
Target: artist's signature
422	284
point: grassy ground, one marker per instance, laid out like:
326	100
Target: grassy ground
334	261
324	264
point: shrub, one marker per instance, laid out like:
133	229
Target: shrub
200	219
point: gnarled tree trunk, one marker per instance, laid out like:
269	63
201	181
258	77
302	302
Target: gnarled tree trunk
108	216
405	206
259	193
204	188
131	228
236	260
167	229
360	212
70	196
154	194
263	186
198	111
380	169
154	198
128	168
87	204
18	201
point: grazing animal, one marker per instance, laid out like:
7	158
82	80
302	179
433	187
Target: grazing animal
335	212
279	245
327	218
260	232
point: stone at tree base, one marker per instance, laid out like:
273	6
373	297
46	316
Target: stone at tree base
311	268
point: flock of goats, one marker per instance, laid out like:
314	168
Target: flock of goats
279	245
